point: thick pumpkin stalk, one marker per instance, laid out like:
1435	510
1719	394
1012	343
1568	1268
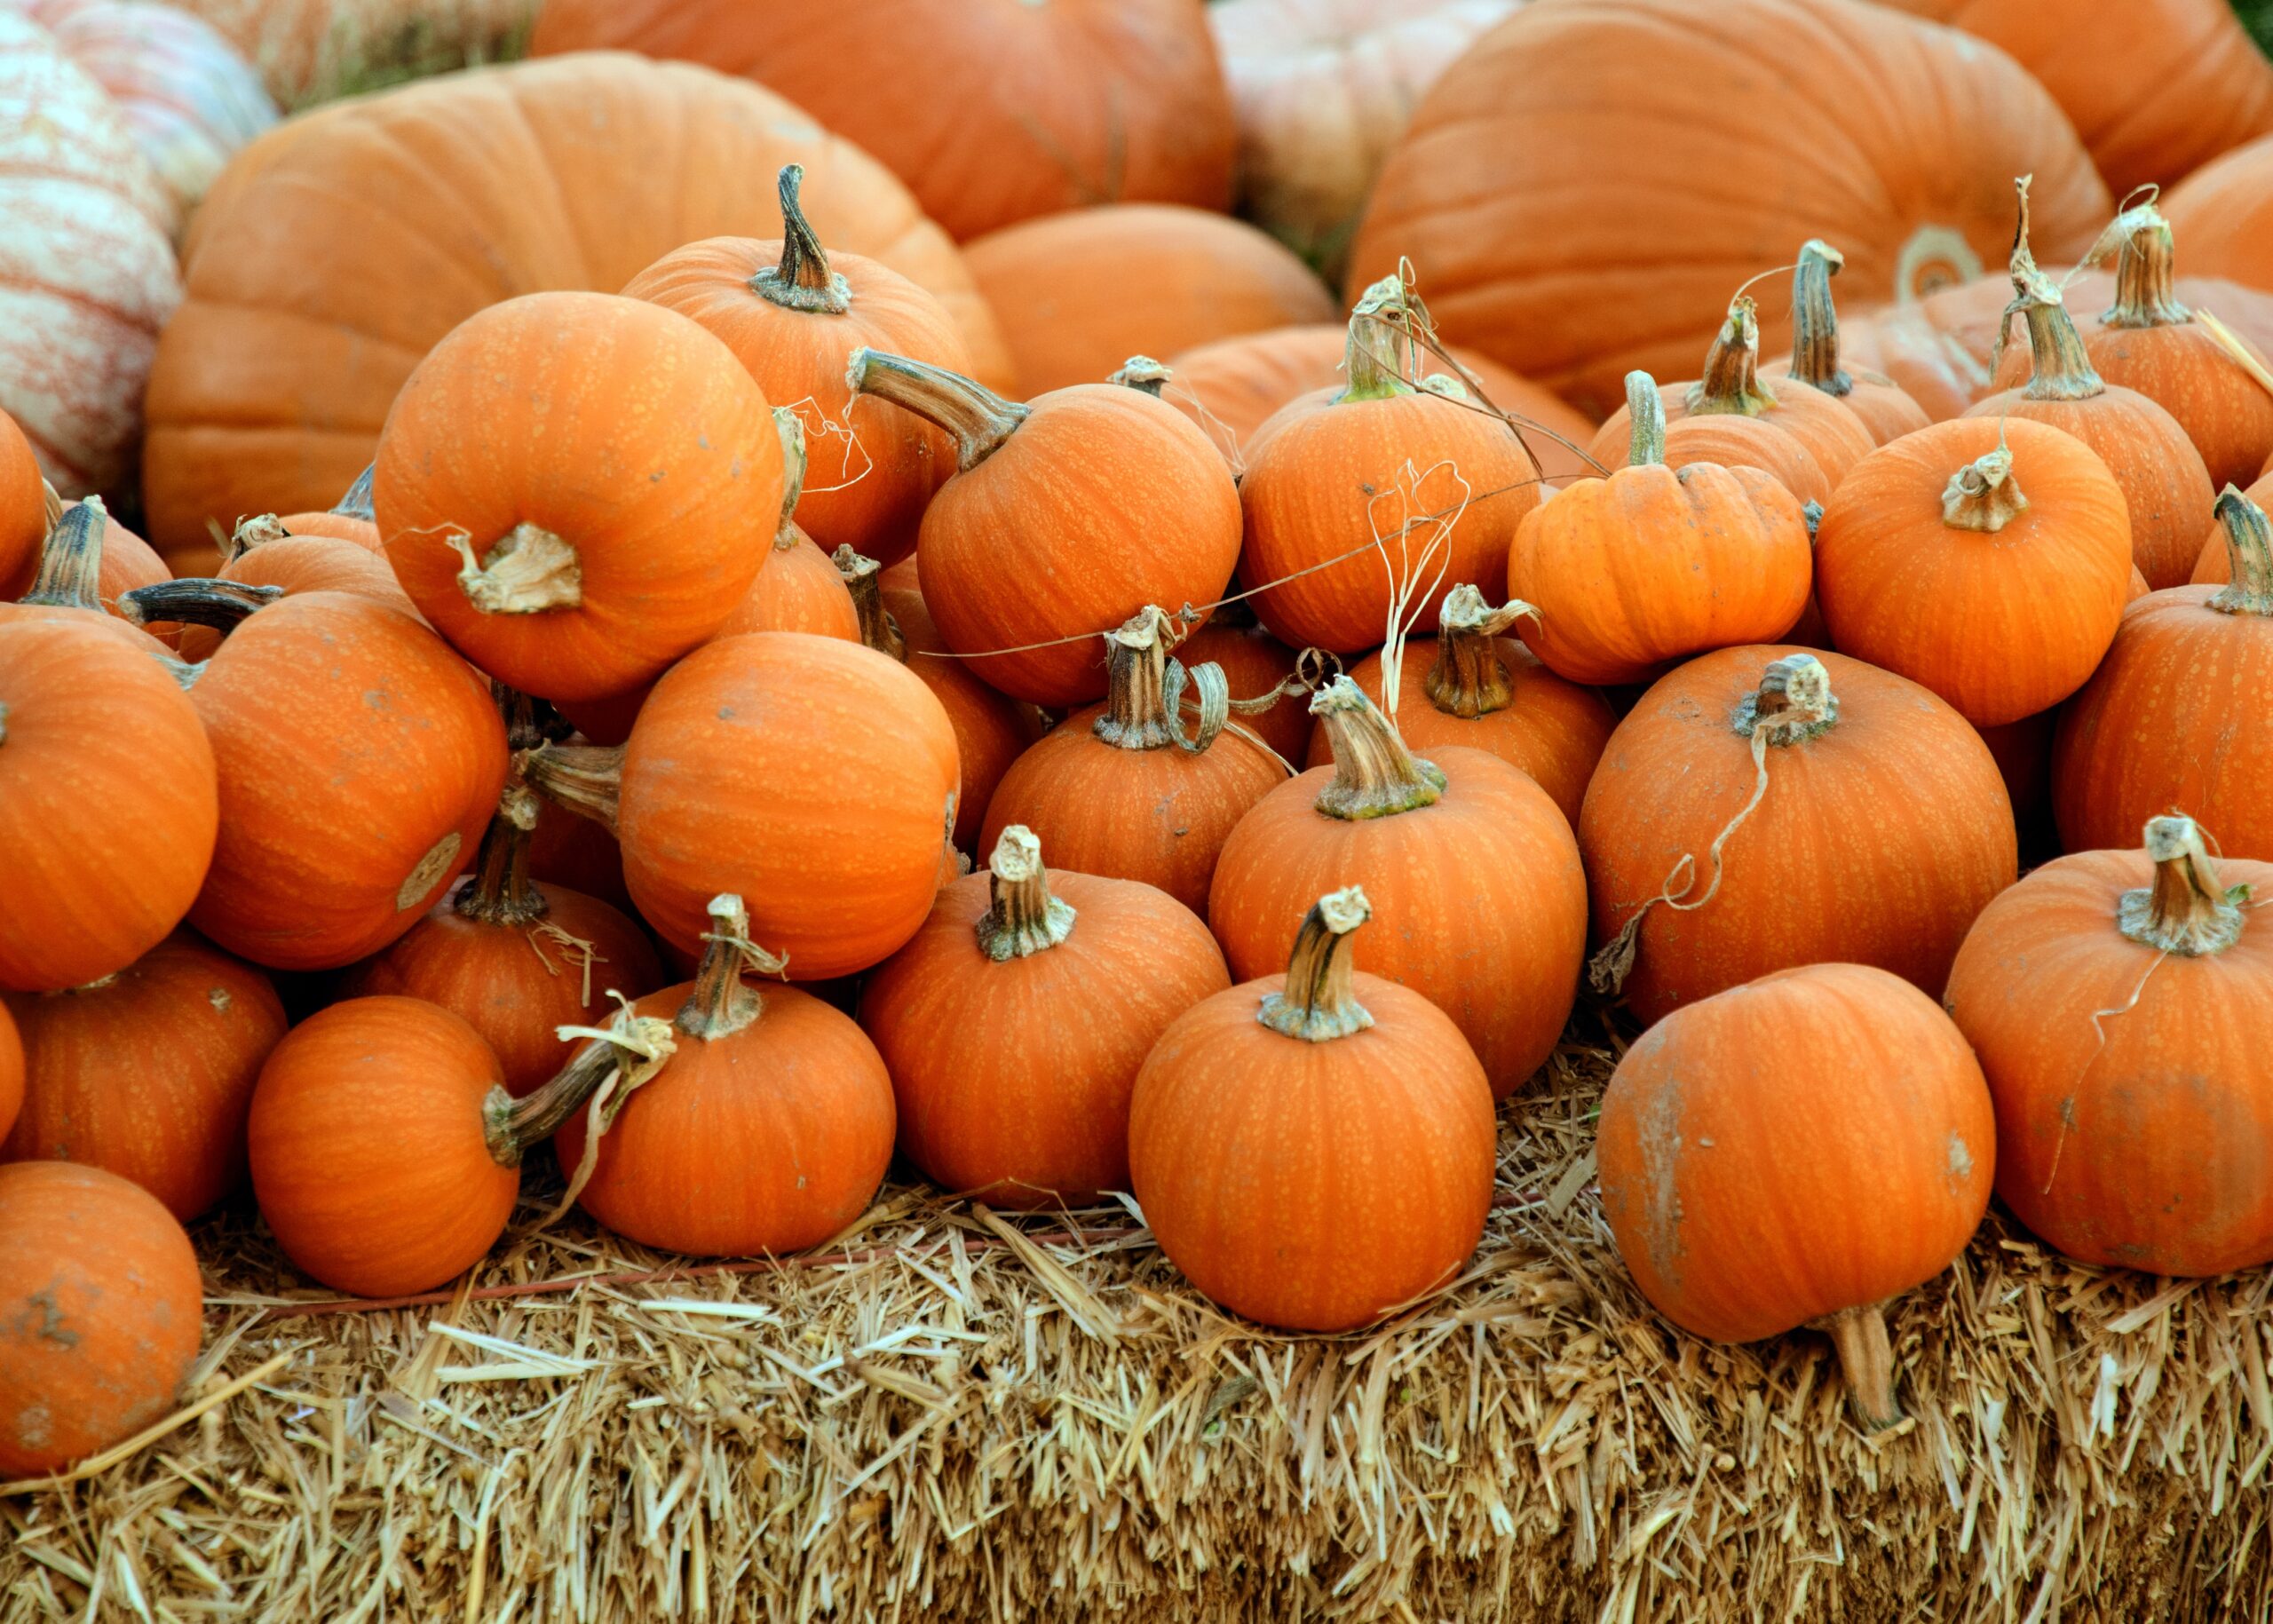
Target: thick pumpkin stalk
195	600
1374	775
630	1051
1143	373
1645	413
1731	385
979	418
2249	557
586	779
1866	1360
526	571
2145	293
1023	918
1815	320
1469	678
502	892
802	279
1145	690
71	559
862	578
2185	911
1378	356
722	1002
1794	701
1320	1002
1983	496
791	429
2063	369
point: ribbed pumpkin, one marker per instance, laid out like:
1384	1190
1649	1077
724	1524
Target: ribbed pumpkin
1315	1149
1363	501
1788	808
1836	1090
1877	399
1254	663
2223	212
23	512
100	1313
1988	560
791	312
2172	715
1070	513
2121	1003
262	552
1472	685
1655	562
1014	1022
359	761
814	775
1473	854
148	1073
1576	238
1122	791
766	1131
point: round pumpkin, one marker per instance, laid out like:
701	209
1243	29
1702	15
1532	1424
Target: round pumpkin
100	1313
1836	1090
351	519
1014	1022
148	1073
1987	560
1472	853
1877	399
1314	1149
263	553
23	512
1762	808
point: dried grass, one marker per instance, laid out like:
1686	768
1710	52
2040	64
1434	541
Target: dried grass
965	1417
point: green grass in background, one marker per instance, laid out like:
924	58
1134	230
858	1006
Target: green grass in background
2257	17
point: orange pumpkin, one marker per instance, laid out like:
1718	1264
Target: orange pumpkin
1654	564
1989	561
1833	1089
351	519
11	1071
1479	864
89	563
263	553
23	512
1762	808
100	1313
1070	513
2223	212
1315	1149
1878	400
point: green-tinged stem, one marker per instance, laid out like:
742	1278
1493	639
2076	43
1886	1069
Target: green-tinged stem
1378	354
2249	556
802	279
979	418
71	559
586	779
1866	1360
1815	320
1470	677
195	600
1646	410
1731	385
634	1044
2185	910
1374	775
1982	494
1023	917
1320	1003
1142	372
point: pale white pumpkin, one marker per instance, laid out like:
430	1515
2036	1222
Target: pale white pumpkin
310	51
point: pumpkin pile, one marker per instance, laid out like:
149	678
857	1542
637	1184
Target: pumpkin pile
602	620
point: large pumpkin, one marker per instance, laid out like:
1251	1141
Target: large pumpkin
1577	238
270	387
992	110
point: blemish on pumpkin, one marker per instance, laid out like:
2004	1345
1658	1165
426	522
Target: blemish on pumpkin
51	1327
218	997
1961	1158
1661	1213
432	868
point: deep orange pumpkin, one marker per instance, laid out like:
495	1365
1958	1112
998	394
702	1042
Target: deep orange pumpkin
11	1071
2222	211
263	553
23	512
1886	411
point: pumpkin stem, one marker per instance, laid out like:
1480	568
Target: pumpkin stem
527	571
357	503
1982	496
1318	1003
1815	320
791	428
1866	1359
1646	410
1469	678
722	1002
1378	353
1731	385
803	281
2145	295
195	601
1145	690
502	892
862	577
2185	910
2063	370
630	1051
1024	918
4	723
979	418
1374	775
1142	372
2249	553
1794	701
71	559
250	533
586	779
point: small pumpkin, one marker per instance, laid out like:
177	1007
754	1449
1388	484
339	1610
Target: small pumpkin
90	564
352	519
1886	411
23	512
262	552
1655	562
1315	1149
1473	854
1836	1090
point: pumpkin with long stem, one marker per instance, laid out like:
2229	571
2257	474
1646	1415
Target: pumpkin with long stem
1767	807
1068	513
88	563
1878	400
1122	790
1988	560
1014	1022
1472	853
1655	563
1314	1149
2172	714
766	1130
2121	1003
1836	1091
149	1073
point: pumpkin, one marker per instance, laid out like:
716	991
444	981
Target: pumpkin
359	760
767	1130
2170	717
1479	864
1083	101
579	853
1761	808
791	314
814	775
1577	238
90	567
1255	664
2164	483
2222	213
23	512
262	552
1472	685
270	387
148	1073
100	1313
1361	502
1878	400
385	1151
87	264
1654	564
1014	1022
1069	514
351	519
1836	1090
2119	1001
1121	791
1989	561
2023	753
1344	1107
